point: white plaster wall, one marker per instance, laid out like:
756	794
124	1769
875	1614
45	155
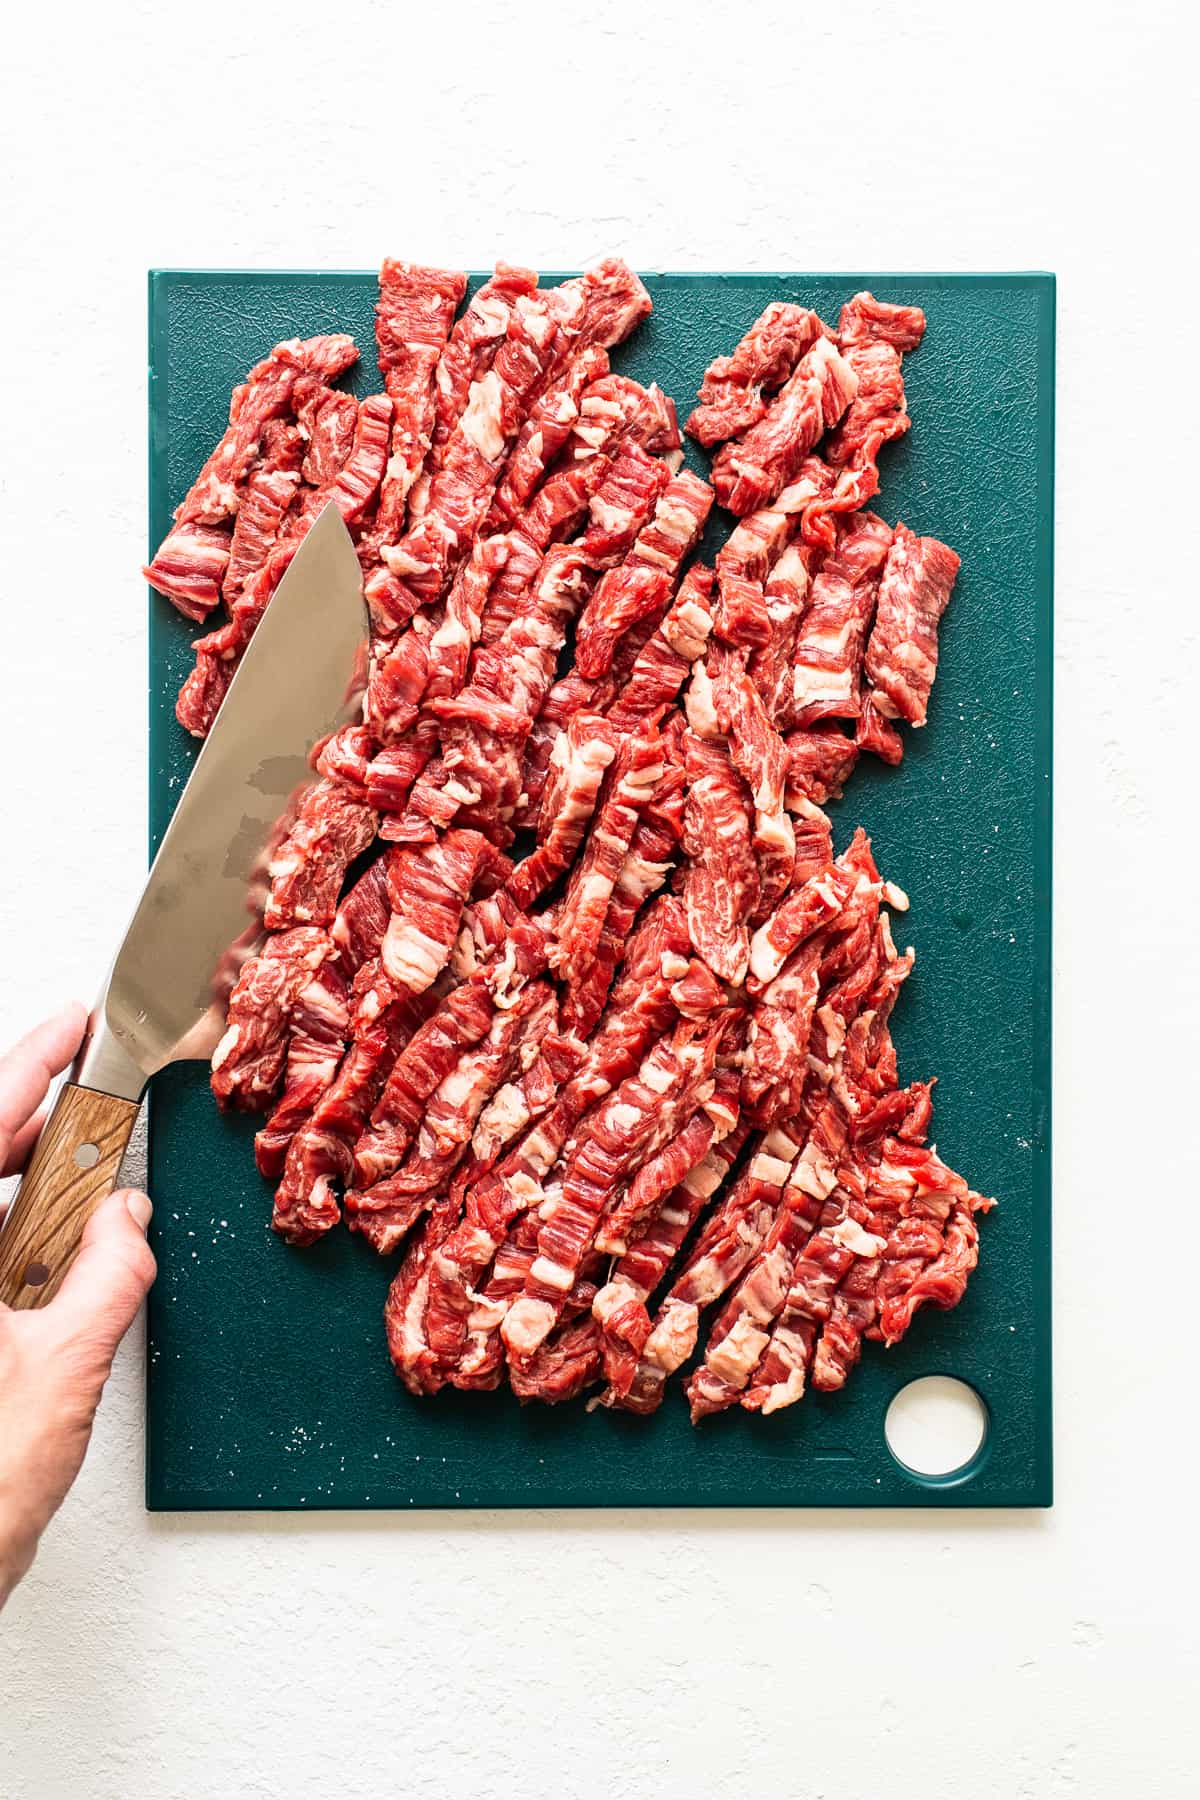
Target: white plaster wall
606	1654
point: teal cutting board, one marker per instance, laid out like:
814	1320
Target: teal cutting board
269	1381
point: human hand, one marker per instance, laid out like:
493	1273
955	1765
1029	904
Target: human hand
54	1361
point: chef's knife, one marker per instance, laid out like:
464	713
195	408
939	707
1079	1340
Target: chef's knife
200	913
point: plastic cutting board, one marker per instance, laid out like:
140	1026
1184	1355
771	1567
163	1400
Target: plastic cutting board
269	1381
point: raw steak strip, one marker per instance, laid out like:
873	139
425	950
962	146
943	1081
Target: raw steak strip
728	1240
805	910
684	1133
733	394
646	867
320	1154
413	316
249	1060
428	889
829	651
191	563
820	761
326	419
309	867
578	763
664	661
721	879
741	1330
386	1211
866	320
752	470
460	1022
320	1022
189	567
542	331
469	352
628	787
914	591
614	1139
760	756
350	487
268	494
621	1305
641	586
549	425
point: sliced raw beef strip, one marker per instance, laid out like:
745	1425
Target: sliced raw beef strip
721	880
665	660
357	482
548	427
460	1022
320	1155
775	1060
320	1022
683	1134
741	1331
361	919
647	865
729	1239
308	869
407	1303
876	414
577	768
902	652
866	320
933	1246
190	554
751	471
734	393
641	586
877	734
743	561
612	1142
189	567
248	1062
820	761
428	889
268	495
413	316
761	758
387	1210
829	650
468	355
872	336
350	488
806	909
326	418
566	1364
543	330
629	786
620	1306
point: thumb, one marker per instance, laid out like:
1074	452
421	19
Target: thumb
107	1282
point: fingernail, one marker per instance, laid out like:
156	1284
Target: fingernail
140	1209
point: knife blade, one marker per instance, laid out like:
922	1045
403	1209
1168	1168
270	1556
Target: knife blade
200	912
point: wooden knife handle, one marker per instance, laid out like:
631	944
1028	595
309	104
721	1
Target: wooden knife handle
73	1168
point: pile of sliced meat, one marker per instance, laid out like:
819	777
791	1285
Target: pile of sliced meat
599	1041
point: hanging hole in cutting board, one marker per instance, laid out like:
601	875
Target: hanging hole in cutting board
935	1427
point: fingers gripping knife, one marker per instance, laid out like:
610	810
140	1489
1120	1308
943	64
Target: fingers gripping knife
200	913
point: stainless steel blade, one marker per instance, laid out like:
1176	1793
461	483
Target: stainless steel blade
200	913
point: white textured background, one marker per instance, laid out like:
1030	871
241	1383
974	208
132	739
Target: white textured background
1015	1656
